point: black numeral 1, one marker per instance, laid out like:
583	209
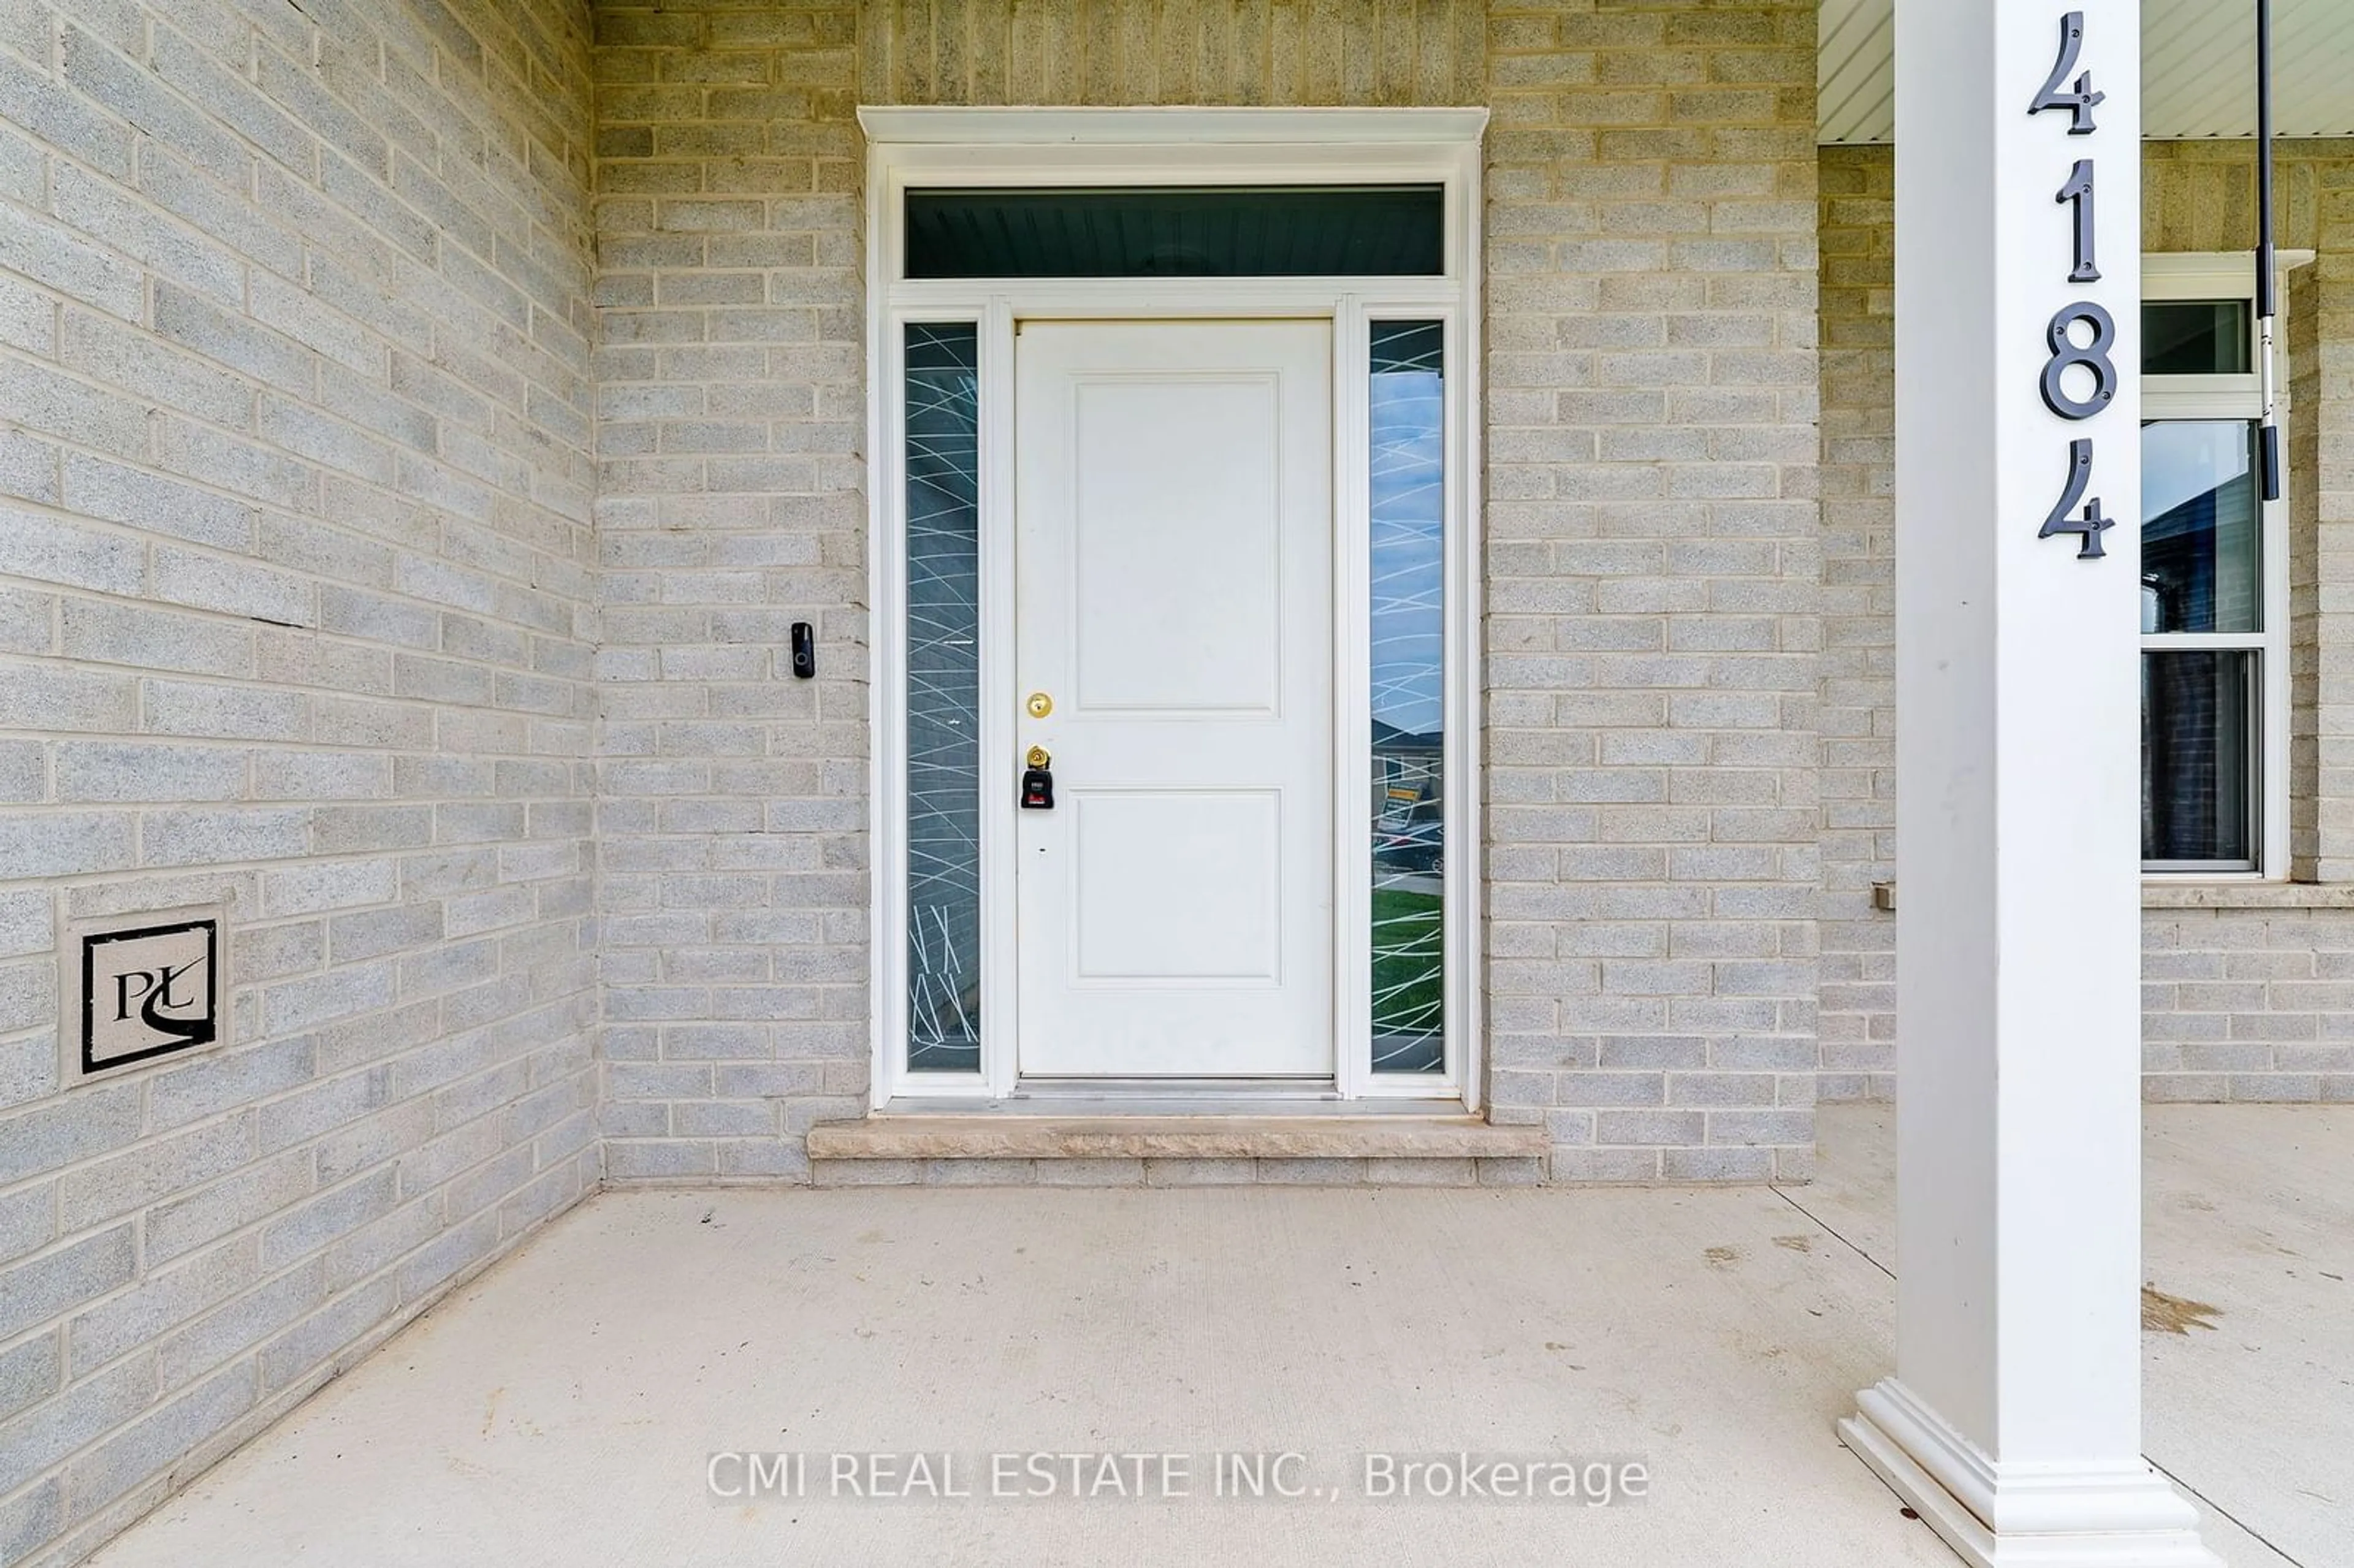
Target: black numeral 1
2079	190
2092	523
2083	99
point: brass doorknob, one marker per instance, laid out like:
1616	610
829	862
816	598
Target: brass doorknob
1038	758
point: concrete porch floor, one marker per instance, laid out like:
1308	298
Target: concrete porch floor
561	1408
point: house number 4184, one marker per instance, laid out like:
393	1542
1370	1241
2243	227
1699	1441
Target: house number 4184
2091	356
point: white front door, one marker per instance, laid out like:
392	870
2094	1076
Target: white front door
1173	488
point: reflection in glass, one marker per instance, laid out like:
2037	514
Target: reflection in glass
2196	337
943	419
1410	640
2198	749
2201	533
1389	231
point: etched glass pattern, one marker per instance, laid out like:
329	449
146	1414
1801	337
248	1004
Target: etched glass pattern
943	423
1409	644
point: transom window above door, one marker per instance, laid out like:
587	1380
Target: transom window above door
1218	231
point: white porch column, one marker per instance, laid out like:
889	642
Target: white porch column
2013	1423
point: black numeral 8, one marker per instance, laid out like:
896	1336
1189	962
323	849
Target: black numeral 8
2067	353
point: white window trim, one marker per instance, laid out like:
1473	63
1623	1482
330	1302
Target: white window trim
1034	148
2199	276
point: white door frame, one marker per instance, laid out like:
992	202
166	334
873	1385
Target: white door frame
1034	148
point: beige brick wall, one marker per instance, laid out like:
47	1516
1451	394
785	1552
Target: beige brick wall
295	614
2238	1001
1364	52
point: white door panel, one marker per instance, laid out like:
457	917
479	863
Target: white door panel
1216	916
1178	542
1173	486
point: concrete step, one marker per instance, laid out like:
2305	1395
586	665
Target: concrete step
1000	1137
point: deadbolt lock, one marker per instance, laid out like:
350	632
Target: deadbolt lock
1040	704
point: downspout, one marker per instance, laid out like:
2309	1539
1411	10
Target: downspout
2267	271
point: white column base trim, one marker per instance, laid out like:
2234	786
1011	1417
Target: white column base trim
2124	1515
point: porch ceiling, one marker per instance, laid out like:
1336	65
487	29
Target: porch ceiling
2198	68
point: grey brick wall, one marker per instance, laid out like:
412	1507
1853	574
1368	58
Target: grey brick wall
1859	673
2240	993
1654	620
313	601
295	614
731	398
2250	1003
1653	512
731	418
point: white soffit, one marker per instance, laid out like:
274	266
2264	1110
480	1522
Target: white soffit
2199	67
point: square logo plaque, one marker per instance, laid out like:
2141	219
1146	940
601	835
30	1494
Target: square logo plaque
148	992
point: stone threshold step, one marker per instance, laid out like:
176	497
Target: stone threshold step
1172	1137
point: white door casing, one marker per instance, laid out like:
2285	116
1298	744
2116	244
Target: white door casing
1173	599
928	147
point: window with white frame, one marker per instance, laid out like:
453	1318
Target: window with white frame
2214	584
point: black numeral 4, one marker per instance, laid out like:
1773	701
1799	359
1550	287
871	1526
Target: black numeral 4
2088	524
2083	100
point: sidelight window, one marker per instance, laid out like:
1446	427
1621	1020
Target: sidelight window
943	697
1407	511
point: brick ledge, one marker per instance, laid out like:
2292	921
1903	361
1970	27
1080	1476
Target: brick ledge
2169	894
2188	893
